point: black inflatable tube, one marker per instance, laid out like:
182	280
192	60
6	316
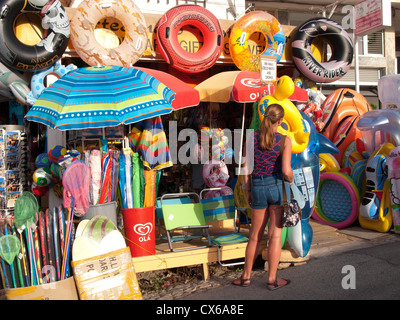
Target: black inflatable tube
339	41
19	56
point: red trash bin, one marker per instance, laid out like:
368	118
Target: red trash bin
139	229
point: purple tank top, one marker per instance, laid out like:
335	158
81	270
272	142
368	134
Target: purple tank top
265	161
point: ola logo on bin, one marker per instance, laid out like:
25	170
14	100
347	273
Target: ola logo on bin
143	230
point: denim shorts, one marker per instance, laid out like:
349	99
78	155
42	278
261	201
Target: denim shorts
267	190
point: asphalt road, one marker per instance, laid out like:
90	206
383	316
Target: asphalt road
360	274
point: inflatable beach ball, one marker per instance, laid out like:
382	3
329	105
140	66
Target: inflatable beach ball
42	160
42	177
57	152
38	190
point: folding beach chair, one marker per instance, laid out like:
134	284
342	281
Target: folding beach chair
159	213
184	217
217	208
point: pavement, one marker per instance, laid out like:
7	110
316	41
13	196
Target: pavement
327	242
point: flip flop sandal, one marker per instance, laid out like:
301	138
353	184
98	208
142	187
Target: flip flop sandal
241	282
274	285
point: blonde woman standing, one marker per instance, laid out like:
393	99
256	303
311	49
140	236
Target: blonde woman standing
265	194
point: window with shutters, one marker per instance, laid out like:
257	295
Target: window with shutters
375	43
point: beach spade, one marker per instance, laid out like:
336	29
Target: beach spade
9	248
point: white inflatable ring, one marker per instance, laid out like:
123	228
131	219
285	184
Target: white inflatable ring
83	25
215	173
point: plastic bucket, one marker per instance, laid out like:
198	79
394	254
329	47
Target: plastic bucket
108	209
139	230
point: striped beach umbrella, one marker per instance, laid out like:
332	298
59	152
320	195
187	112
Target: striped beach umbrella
98	97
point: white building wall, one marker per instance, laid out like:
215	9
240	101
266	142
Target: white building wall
222	9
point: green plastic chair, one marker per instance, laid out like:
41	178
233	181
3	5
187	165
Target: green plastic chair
219	208
187	217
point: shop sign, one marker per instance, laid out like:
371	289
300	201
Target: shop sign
268	68
371	16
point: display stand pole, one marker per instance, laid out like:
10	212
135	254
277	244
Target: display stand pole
55	137
241	139
356	65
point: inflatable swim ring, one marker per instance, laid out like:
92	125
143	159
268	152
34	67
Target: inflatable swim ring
19	56
215	173
337	200
170	25
340	42
340	104
38	79
252	22
83	25
293	123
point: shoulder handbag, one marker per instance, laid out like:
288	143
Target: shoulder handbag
291	210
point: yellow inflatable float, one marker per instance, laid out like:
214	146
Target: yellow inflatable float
293	124
328	162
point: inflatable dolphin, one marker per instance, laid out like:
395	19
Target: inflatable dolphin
13	84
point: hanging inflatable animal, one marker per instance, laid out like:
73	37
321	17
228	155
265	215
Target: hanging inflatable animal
293	123
13	84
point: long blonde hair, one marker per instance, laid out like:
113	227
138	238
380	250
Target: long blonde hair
272	115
